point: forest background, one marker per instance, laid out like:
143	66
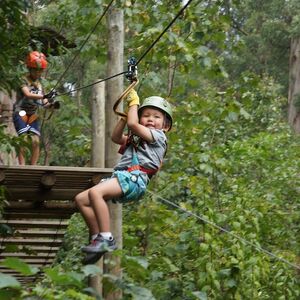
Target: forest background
233	157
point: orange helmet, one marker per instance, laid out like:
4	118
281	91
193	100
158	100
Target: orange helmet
36	60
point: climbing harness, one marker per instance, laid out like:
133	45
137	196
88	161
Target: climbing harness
135	165
132	183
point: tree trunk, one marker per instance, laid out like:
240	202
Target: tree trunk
114	87
98	125
6	110
294	86
98	153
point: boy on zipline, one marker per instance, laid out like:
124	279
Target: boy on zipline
142	152
29	97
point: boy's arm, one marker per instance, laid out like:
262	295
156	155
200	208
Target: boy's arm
134	125
117	135
26	92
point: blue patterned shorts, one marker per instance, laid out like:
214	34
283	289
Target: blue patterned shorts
132	185
23	126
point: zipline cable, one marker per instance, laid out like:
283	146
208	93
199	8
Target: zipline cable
258	248
96	82
143	55
83	44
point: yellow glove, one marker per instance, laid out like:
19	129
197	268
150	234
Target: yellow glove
132	98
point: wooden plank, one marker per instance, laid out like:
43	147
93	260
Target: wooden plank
50	205
11	272
34	261
20	241
25	255
31	214
24	182
35	194
34	248
35	223
56	168
39	233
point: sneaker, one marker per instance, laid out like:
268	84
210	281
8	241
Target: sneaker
99	244
91	258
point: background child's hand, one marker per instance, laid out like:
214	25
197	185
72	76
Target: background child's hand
132	98
50	96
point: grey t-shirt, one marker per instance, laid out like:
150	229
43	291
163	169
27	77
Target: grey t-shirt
150	155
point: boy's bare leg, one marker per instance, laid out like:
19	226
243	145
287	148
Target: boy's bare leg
98	195
35	149
83	203
21	157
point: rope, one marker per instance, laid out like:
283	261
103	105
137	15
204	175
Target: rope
84	42
256	247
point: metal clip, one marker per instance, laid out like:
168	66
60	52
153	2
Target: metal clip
131	74
134	178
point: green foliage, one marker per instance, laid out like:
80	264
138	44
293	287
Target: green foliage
57	284
20	266
186	257
13	41
9	143
69	255
66	135
232	161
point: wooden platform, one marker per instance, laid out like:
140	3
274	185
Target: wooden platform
40	200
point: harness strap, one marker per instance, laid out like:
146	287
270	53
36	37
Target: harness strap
29	119
150	172
135	165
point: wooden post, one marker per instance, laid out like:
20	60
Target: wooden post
98	153
98	125
114	87
6	118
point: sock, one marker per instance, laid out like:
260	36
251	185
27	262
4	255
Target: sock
106	235
94	236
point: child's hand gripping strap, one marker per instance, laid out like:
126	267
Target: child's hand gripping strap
122	96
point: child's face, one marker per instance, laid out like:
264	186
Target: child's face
36	73
152	118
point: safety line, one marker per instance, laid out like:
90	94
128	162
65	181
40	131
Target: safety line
96	82
226	231
84	42
164	31
139	60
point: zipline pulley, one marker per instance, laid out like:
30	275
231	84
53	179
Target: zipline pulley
131	74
